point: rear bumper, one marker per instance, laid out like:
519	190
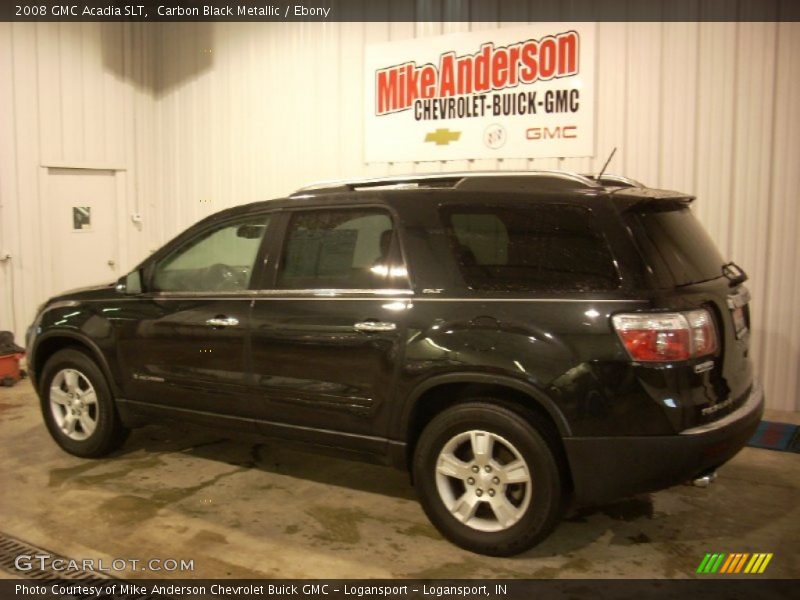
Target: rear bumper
611	467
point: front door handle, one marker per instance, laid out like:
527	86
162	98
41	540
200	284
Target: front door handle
375	326
223	322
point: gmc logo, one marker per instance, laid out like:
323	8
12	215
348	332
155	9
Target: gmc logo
556	133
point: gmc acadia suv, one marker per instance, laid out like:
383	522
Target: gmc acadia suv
519	341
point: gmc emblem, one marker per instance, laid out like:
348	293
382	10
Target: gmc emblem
556	133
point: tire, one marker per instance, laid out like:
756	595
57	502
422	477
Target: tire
78	407
446	487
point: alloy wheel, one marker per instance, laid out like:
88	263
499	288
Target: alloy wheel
74	405
483	480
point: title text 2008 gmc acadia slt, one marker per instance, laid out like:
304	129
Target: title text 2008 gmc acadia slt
519	341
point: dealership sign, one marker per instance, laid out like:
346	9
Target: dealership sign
507	93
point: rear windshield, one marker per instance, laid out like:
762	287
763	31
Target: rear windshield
532	248
676	247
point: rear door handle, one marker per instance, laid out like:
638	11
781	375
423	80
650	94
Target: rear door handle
223	322
375	326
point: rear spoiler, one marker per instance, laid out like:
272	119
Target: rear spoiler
647	199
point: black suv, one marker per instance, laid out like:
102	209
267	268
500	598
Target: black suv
519	341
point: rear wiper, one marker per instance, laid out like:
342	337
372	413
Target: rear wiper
734	273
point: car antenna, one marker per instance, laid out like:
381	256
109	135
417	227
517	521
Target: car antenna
605	166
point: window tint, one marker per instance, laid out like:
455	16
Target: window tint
341	249
545	247
218	260
676	247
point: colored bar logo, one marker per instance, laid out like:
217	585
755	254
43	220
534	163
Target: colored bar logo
741	562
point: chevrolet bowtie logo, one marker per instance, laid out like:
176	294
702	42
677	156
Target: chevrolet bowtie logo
442	137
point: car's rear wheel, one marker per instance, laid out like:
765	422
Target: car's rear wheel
488	479
78	406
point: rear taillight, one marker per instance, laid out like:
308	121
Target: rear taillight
704	335
661	337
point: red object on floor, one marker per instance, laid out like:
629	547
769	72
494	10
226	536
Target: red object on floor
9	368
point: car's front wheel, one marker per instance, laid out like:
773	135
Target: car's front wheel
78	406
488	479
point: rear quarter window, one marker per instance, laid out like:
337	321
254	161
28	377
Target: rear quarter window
675	246
547	247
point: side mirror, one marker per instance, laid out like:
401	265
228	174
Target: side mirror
130	284
250	232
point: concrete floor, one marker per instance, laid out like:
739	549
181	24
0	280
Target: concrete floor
255	511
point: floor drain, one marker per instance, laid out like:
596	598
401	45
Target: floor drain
11	548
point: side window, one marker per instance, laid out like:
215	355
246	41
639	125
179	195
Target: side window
530	248
341	249
218	260
482	238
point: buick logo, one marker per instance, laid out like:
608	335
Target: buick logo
494	136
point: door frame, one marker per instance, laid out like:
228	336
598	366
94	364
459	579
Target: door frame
120	250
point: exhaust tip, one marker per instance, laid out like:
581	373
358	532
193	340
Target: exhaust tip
704	480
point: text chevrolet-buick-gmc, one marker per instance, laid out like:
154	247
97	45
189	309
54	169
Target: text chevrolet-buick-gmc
521	342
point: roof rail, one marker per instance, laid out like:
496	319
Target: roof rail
438	180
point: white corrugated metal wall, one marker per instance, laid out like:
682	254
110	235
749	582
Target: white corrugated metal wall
242	112
76	96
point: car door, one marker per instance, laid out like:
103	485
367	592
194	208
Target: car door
328	331
183	342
